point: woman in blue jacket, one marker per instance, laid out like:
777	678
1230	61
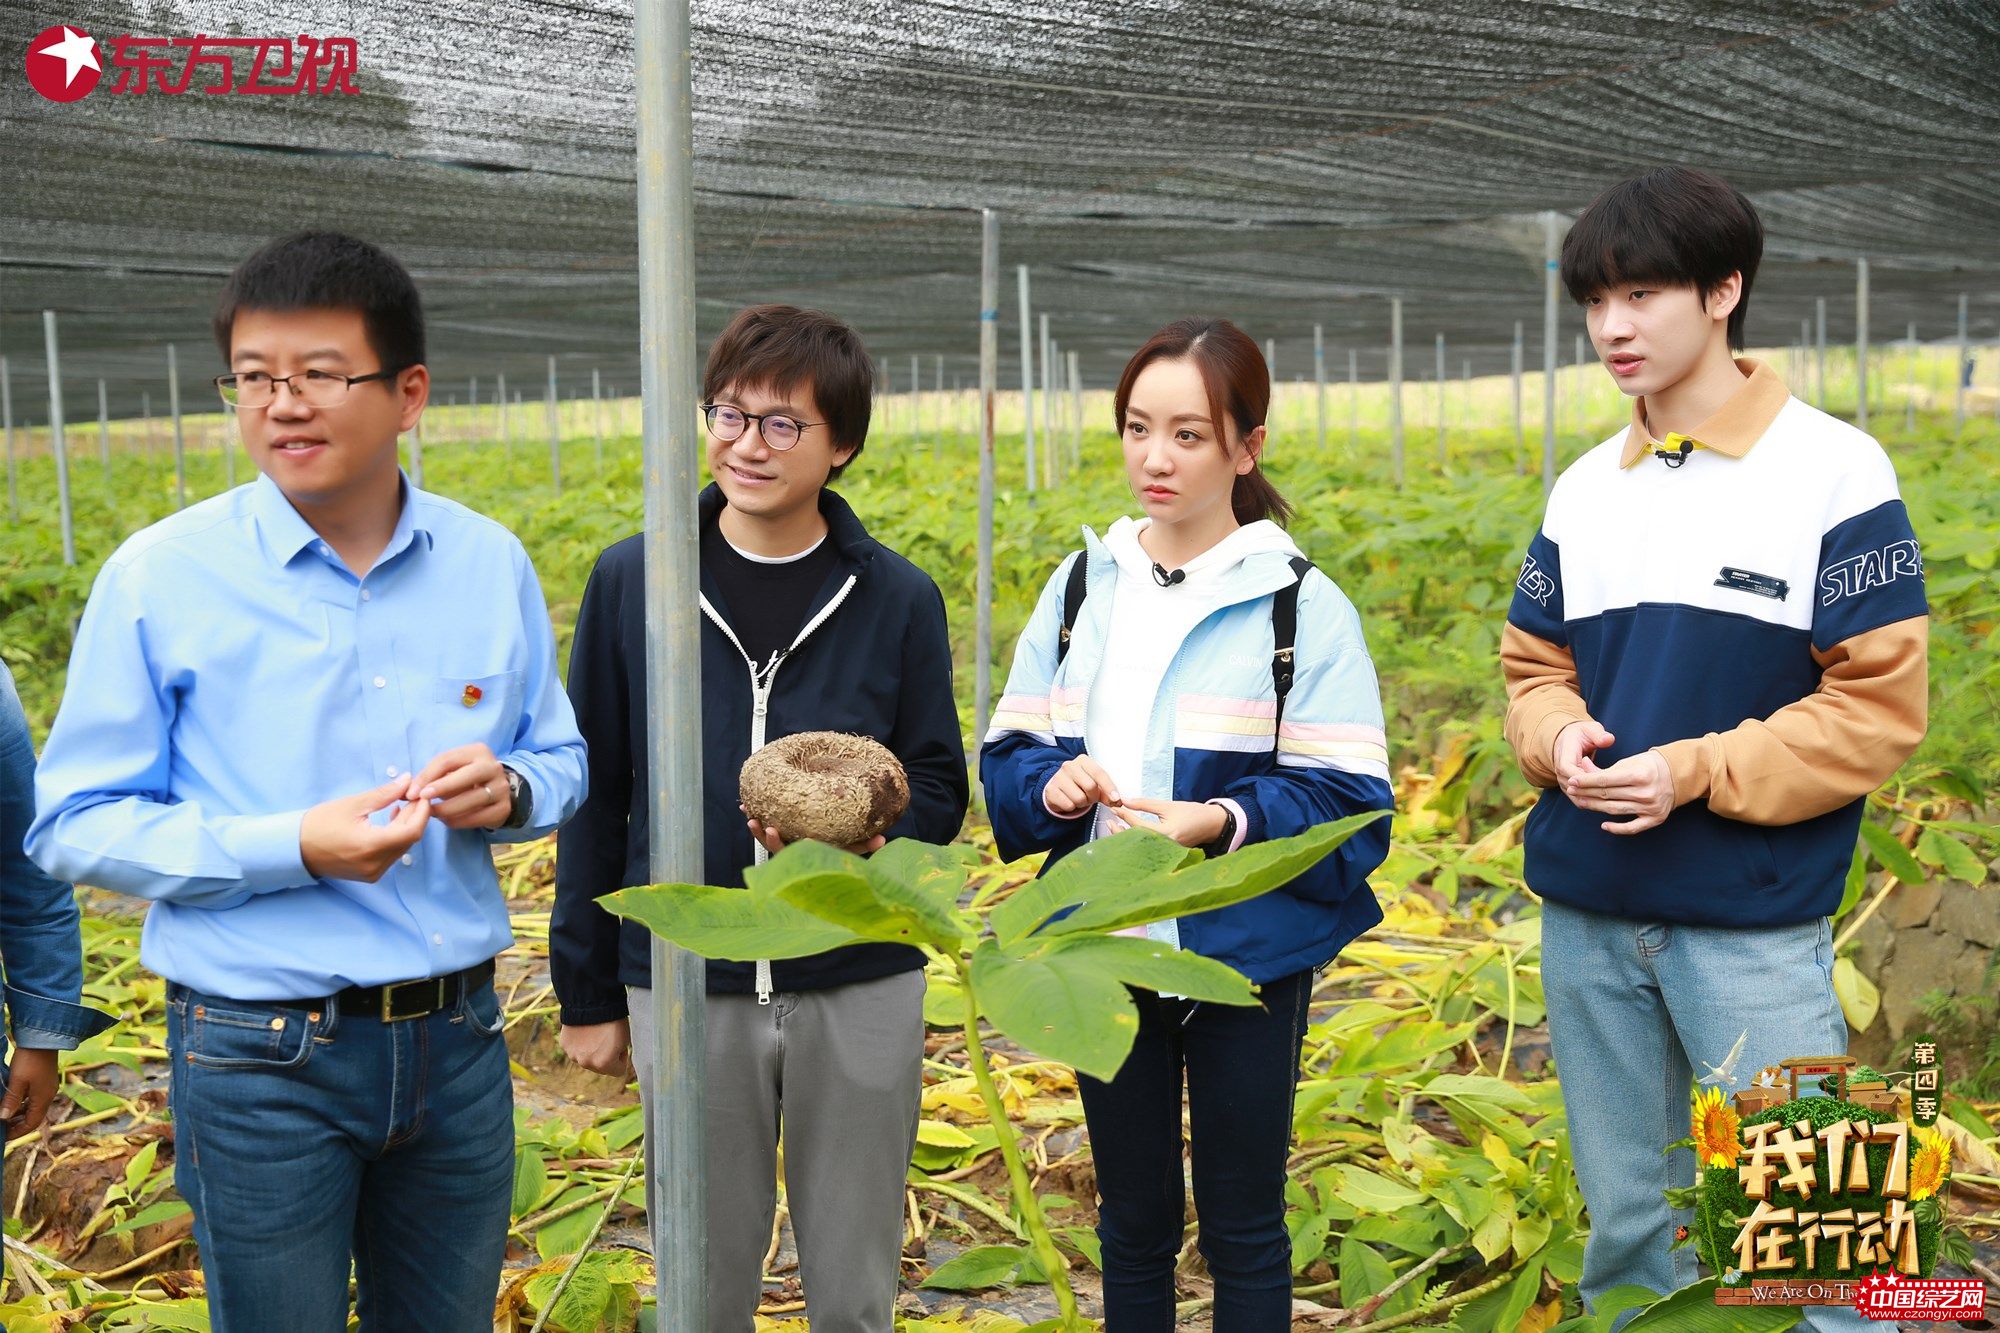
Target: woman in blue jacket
1156	685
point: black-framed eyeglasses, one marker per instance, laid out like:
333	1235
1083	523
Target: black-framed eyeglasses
780	431
315	388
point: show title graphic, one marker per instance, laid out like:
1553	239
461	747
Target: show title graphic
66	64
1831	1199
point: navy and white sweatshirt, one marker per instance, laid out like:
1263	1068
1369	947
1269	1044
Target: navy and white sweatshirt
1756	614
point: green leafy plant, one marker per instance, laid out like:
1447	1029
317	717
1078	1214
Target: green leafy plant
1041	966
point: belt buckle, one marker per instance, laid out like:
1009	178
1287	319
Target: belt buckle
389	1014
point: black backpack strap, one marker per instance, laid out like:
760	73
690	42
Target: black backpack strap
1073	592
1284	635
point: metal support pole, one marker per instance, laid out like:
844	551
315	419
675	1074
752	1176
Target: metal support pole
1319	380
1353	395
1861	343
1440	399
1027	376
916	403
597	414
7	416
1396	390
1551	260
1076	409
1271	358
56	444
1910	380
505	438
555	431
1961	370
1051	376
1819	369
989	387
676	1117
1520	436
180	442
104	427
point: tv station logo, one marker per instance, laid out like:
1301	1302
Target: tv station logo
66	64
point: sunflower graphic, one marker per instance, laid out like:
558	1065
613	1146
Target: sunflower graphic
1930	1165
1717	1131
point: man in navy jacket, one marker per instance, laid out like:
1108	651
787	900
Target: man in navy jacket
808	624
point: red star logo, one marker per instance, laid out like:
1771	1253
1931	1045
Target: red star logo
63	64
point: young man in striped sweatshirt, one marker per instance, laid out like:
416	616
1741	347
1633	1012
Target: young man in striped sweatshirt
1716	650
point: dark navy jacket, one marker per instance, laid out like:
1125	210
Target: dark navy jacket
874	660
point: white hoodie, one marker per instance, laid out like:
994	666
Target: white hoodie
1148	625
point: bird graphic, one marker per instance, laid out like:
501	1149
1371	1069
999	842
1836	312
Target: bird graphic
1725	1072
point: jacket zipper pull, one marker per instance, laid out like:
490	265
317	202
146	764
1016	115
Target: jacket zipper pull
763	981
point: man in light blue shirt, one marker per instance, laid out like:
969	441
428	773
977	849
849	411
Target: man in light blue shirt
297	714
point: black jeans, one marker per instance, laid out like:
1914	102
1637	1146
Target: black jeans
1242	1068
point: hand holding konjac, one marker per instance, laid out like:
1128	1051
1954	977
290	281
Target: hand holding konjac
826	786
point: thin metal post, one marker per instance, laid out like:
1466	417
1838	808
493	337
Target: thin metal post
56	445
104	427
180	442
505	438
1319	380
989	387
1027	377
1048	409
676	1118
1353	395
597	411
1579	385
916	402
1271	358
555	431
1396	390
1076	409
1440	399
1961	370
1910	380
1861	343
1551	260
7	416
1520	436
1819	369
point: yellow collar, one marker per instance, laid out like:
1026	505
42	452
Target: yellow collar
1730	430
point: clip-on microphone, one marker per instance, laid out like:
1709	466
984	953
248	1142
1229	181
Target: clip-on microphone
1163	578
1674	458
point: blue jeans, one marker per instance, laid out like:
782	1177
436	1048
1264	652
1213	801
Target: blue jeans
1242	1068
305	1137
1631	1004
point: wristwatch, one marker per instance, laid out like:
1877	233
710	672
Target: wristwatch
523	797
1224	838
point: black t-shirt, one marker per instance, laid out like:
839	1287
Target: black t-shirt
765	602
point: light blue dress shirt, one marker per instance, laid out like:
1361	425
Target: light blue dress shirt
230	671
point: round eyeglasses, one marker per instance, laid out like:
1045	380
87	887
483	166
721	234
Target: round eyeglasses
780	432
314	388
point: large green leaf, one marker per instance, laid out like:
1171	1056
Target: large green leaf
981	1266
1082	1016
1144	963
1214	883
897	902
726	923
1692	1309
1099	867
1890	854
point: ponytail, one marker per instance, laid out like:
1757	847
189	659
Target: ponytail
1254	498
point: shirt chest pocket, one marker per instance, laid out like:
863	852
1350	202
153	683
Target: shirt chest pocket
474	709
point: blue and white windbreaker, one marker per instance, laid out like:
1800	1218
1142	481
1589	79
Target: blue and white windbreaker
1210	735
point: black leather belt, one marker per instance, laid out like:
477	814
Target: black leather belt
395	1001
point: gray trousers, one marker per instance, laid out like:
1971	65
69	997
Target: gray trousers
842	1070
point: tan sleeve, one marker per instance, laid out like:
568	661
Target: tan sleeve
1542	699
1842	741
